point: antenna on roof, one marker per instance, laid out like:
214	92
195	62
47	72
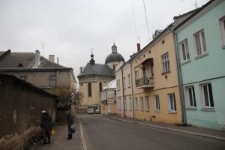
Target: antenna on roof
196	4
43	47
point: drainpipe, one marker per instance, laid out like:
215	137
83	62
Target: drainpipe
123	92
180	81
131	78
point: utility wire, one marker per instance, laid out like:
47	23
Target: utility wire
134	20
146	19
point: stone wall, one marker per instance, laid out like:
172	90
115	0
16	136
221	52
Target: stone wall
20	110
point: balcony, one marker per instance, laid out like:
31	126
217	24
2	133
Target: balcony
145	82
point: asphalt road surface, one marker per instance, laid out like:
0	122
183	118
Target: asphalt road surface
102	133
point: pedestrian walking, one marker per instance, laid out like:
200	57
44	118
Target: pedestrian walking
46	125
70	125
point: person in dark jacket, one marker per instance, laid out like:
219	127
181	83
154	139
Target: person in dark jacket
46	124
69	119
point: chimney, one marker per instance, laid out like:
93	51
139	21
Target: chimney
138	47
51	58
57	60
37	58
81	69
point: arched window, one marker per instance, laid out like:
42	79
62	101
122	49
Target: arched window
100	87
114	66
89	89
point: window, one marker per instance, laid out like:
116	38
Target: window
142	104
24	78
89	89
157	103
147	103
207	95
118	105
128	80
184	52
200	44
125	103
172	102
124	82
130	103
100	87
52	80
118	84
222	28
114	66
136	77
136	102
190	92
165	62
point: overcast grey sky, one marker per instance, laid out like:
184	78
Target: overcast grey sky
71	28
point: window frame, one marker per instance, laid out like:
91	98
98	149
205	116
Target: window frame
136	103
147	103
165	62
118	84
52	80
142	103
129	82
211	103
157	102
130	103
89	89
172	102
200	42
222	29
124	82
190	96
136	77
100	87
184	51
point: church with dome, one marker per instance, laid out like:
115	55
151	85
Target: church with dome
93	77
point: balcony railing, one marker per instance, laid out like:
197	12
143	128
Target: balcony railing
145	82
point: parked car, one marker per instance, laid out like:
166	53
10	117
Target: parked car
97	111
90	111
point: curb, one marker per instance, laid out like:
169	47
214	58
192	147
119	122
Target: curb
171	129
83	141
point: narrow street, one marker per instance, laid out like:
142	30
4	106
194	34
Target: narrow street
103	133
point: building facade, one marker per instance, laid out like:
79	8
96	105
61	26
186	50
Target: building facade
108	98
93	77
40	72
201	51
156	91
124	90
155	82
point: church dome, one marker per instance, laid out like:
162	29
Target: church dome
114	56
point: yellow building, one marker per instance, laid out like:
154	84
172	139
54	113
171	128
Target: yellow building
155	78
155	82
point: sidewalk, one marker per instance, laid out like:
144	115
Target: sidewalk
59	140
203	132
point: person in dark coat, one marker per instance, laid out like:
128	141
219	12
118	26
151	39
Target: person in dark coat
69	119
46	124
